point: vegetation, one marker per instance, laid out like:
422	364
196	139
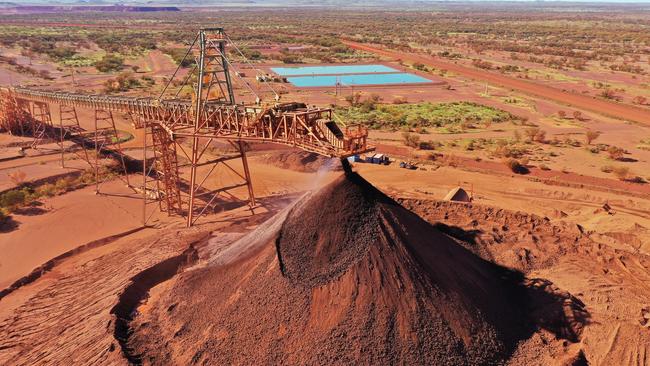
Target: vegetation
621	172
644	144
27	195
178	55
110	63
535	134
615	153
581	40
411	140
509	149
515	166
456	116
123	82
590	136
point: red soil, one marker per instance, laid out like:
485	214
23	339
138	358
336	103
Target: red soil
344	276
604	107
555	177
513	239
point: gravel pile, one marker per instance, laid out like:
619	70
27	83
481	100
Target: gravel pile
351	277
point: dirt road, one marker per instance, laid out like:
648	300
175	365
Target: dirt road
603	107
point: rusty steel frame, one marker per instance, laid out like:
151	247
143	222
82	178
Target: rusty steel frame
211	115
70	128
107	132
41	123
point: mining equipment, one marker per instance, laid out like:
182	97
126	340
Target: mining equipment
408	165
170	122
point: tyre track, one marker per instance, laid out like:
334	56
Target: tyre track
69	320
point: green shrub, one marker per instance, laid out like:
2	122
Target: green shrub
12	199
615	153
4	215
64	184
411	139
46	190
123	82
427	145
109	63
515	166
177	55
450	115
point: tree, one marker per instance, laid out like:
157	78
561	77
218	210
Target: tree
531	133
411	139
109	63
608	94
561	114
535	134
178	55
123	82
515	166
419	66
61	53
12	199
590	136
353	99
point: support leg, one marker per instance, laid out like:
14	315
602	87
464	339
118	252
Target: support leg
62	137
144	176
193	166
119	148
96	154
247	174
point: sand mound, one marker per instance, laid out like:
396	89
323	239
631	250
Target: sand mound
349	277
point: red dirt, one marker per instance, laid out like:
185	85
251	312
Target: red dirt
551	176
613	283
346	275
513	239
621	111
300	161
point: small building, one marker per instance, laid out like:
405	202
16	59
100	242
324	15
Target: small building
380	159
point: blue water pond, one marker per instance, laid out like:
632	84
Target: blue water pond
359	79
332	70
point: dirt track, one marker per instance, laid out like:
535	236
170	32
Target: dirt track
603	107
